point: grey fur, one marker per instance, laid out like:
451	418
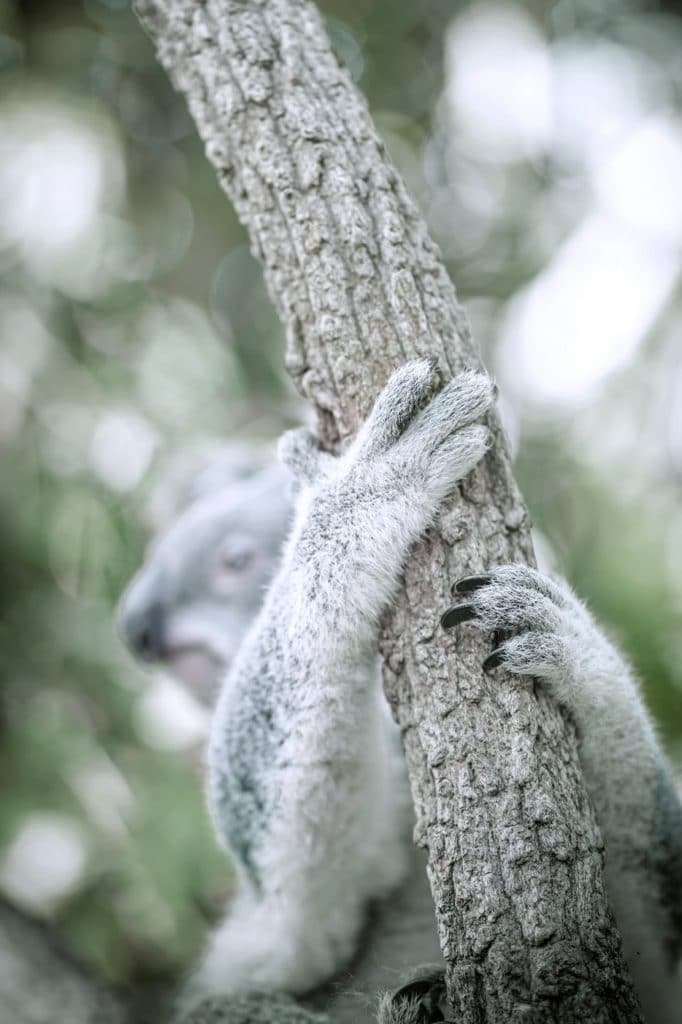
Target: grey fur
302	783
203	581
555	639
302	694
421	998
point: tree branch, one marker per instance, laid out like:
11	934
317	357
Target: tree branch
515	856
40	983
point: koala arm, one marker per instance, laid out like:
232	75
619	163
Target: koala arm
300	779
550	635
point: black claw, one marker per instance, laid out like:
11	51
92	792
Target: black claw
458	613
468	584
496	392
493	660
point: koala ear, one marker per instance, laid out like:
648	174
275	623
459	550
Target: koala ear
299	450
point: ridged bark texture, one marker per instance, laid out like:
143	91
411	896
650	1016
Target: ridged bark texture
515	856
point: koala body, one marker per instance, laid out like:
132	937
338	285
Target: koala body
305	784
302	781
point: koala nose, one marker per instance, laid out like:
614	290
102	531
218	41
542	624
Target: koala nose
144	632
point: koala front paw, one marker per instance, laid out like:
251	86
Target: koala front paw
426	440
363	514
544	616
299	451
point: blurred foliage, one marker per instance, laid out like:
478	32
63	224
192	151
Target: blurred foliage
134	320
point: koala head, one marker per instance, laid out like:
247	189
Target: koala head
203	580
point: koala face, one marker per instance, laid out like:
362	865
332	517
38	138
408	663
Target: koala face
204	578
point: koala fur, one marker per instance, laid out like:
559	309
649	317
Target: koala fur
552	637
302	783
202	583
305	784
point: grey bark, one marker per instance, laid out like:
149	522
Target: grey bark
514	853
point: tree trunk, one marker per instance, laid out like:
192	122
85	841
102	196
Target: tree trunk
514	853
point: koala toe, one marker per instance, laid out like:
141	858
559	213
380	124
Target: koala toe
407	390
496	606
543	655
455	458
464	400
299	449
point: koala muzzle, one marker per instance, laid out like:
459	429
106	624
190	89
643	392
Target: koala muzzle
144	631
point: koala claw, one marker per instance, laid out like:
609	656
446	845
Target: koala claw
467	584
494	660
468	611
419	1001
458	613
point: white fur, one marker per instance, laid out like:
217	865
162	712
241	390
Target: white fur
327	833
302	783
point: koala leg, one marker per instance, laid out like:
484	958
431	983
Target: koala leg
301	780
550	635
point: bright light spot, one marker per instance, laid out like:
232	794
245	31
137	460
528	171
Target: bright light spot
45	861
67	428
122	447
56	170
600	96
50	188
103	792
642	184
498	81
583	316
167	718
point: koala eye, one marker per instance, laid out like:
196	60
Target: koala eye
237	560
236	555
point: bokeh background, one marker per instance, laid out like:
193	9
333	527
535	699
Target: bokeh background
542	142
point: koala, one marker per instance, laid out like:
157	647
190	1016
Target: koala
305	782
203	580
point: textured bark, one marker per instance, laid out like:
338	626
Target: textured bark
515	857
40	984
